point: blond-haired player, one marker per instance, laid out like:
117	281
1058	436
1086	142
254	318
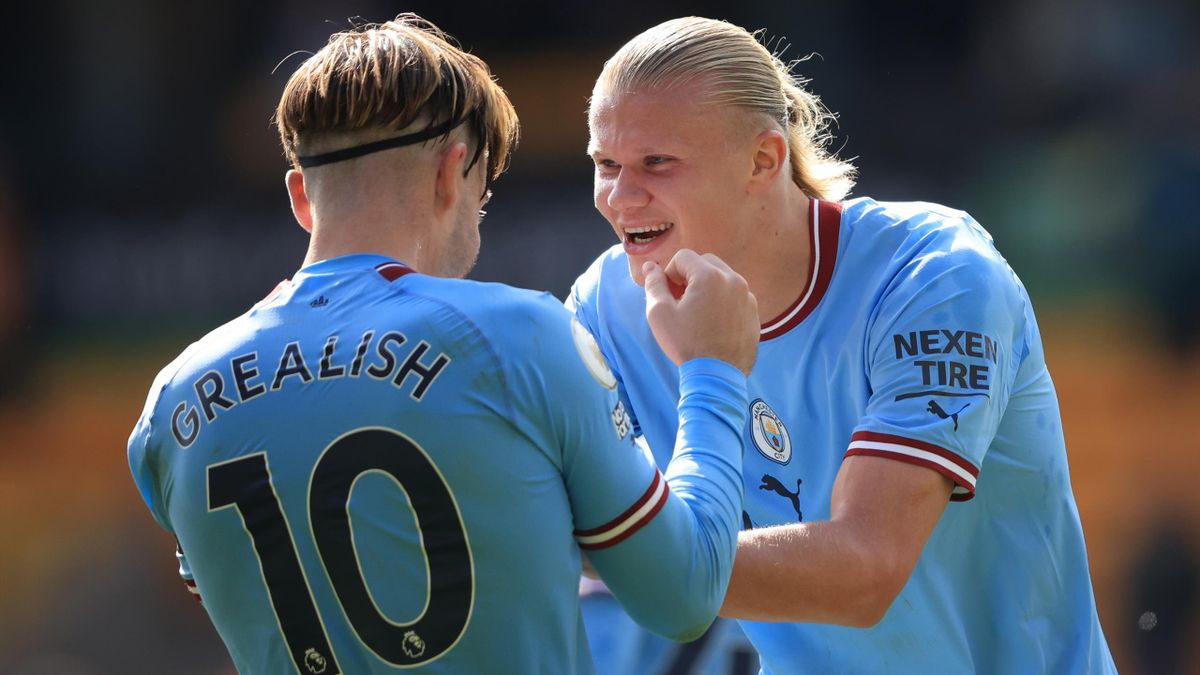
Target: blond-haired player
908	503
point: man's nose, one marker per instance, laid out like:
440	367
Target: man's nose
627	192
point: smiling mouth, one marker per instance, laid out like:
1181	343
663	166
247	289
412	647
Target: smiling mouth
644	235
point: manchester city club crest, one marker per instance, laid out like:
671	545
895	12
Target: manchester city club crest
770	436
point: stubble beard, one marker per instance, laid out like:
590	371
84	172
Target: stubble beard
462	248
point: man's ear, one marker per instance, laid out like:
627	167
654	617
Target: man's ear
449	179
301	207
769	158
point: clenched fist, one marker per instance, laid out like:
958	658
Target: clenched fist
698	306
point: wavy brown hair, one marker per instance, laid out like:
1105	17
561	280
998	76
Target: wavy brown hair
390	76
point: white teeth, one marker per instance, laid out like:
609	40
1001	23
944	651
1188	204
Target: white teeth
661	227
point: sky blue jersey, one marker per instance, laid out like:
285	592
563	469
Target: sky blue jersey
375	470
913	340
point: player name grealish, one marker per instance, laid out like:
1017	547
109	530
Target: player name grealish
379	359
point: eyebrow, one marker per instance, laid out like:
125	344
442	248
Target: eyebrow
592	151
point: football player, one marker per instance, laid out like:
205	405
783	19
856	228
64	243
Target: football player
908	501
381	466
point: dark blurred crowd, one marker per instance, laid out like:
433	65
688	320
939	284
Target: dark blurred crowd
140	180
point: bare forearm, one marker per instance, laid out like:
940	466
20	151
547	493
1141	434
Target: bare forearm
819	572
847	570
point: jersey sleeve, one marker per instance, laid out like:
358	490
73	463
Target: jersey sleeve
667	556
581	303
143	460
185	573
942	350
144	463
664	544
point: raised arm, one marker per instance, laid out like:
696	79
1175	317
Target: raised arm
668	556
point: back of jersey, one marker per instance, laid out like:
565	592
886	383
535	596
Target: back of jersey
360	484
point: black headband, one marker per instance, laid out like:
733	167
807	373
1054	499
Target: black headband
386	144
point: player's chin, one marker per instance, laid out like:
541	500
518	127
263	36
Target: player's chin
635	269
461	264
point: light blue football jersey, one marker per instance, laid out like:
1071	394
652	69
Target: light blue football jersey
619	645
912	340
375	470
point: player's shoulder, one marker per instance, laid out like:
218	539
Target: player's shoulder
921	220
200	356
508	317
196	358
923	238
489	302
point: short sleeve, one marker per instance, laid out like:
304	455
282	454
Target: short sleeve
942	348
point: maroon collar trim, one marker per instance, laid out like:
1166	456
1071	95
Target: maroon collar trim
393	270
824	226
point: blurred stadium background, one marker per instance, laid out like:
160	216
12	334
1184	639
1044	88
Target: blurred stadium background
142	202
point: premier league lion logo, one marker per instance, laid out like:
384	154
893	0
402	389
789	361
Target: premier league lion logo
413	645
314	661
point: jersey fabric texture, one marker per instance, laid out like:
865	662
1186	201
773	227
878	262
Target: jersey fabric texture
619	645
375	470
913	340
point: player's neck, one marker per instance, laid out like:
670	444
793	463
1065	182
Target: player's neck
777	267
387	232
